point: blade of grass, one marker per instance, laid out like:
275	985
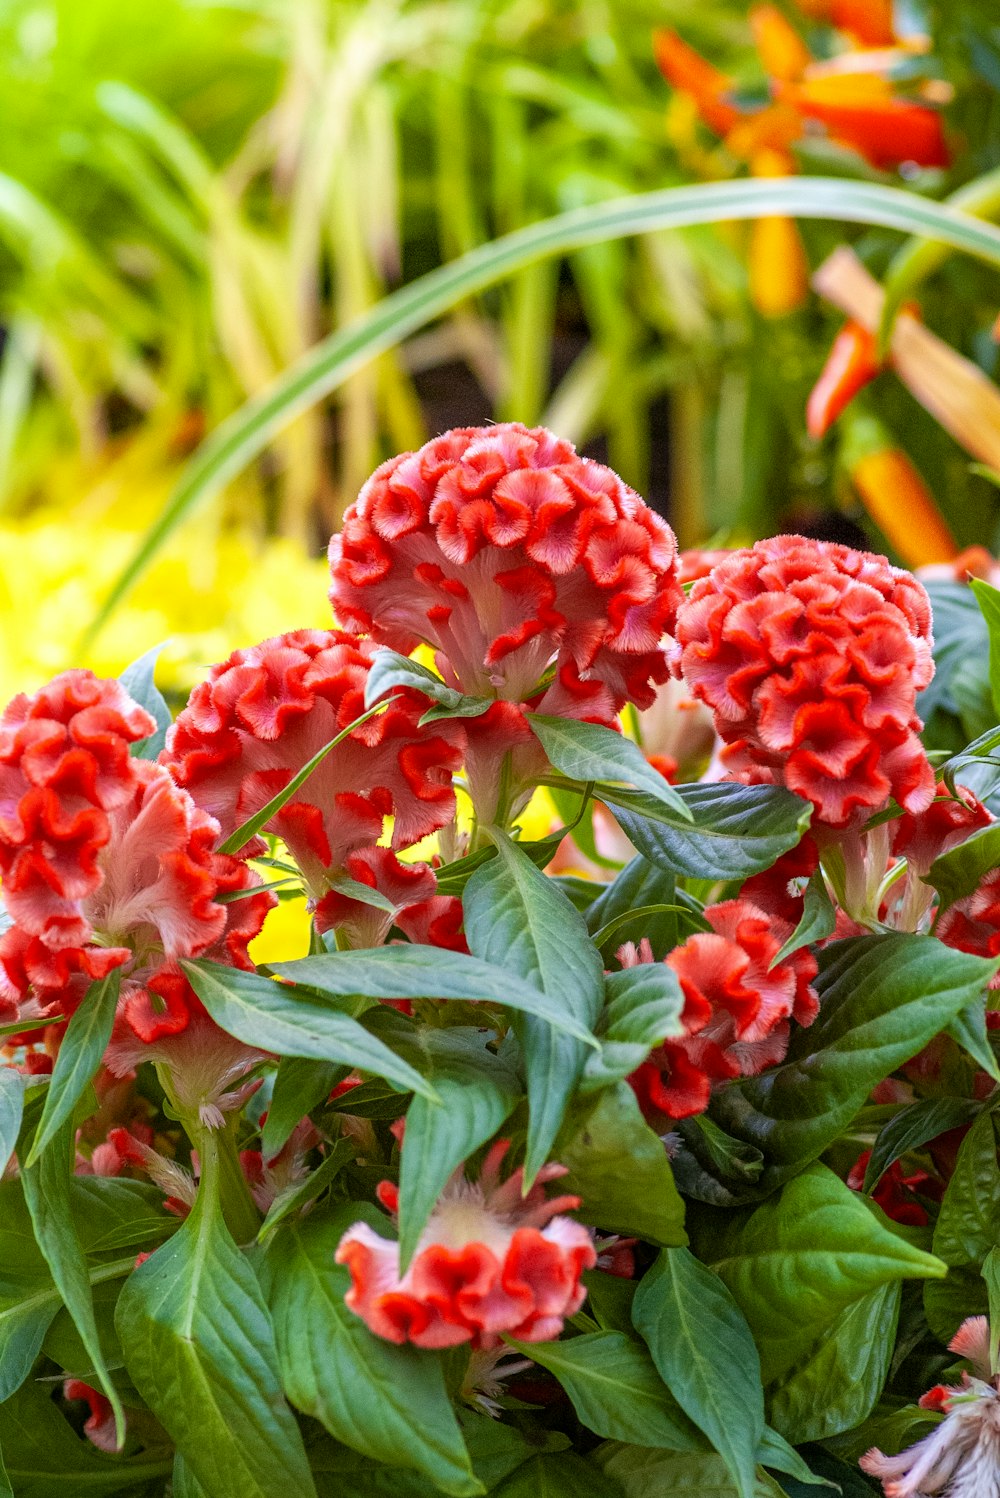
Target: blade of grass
245	434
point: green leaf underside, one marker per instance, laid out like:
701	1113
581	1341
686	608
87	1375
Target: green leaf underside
261	1012
705	1353
591	752
477	1093
388	1402
797	1261
12	1086
417	972
882	999
737	830
643	1008
389	669
817	922
83	1045
517	920
199	1347
244	435
138	679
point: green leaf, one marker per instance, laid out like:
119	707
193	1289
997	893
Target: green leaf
47	1195
968	1030
643	1008
705	1354
650	1473
409	971
960	634
816	923
389	669
960	871
988	599
616	1390
881	1000
199	1347
477	1093
643	917
16	1026
385	1401
300	1085
640	885
242	437
837	1383
991	1274
83	1044
799	1259
967	1228
642	1199
298	1195
776	1453
250	828
589	751
12	1085
138	681
45	1457
261	1012
561	1475
515	919
914	1126
738	830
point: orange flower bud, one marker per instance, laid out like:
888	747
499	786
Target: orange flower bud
687	70
850	365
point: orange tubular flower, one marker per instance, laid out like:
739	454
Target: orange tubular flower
895	495
851	364
779	46
686	70
861	111
869	22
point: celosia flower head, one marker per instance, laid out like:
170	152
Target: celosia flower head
811	656
489	1261
266	711
961	1456
108	863
510	555
737	1008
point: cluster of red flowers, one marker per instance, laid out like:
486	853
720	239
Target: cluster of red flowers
107	863
811	656
737	1008
490	1261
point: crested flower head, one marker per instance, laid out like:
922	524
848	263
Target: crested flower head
811	656
961	1456
264	713
517	560
490	1260
972	924
737	1008
142	897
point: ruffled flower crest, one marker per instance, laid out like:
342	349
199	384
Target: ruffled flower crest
737	1008
536	575
811	656
266	711
489	1261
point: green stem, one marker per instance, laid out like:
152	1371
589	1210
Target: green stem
238	1206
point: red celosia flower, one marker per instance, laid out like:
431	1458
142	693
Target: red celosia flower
537	576
99	1426
736	1012
811	656
973	924
961	1456
489	1261
894	1192
417	909
266	711
922	837
268	1178
508	553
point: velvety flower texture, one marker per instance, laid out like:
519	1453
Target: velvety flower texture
508	553
489	1261
130	882
961	1456
973	924
736	1012
810	656
264	713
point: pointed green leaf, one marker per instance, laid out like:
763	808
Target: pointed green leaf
12	1085
642	1199
199	1347
968	1226
515	919
389	669
737	830
643	1008
261	1012
914	1126
83	1045
138	681
589	751
817	922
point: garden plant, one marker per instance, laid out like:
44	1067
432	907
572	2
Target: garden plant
623	1117
680	1177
